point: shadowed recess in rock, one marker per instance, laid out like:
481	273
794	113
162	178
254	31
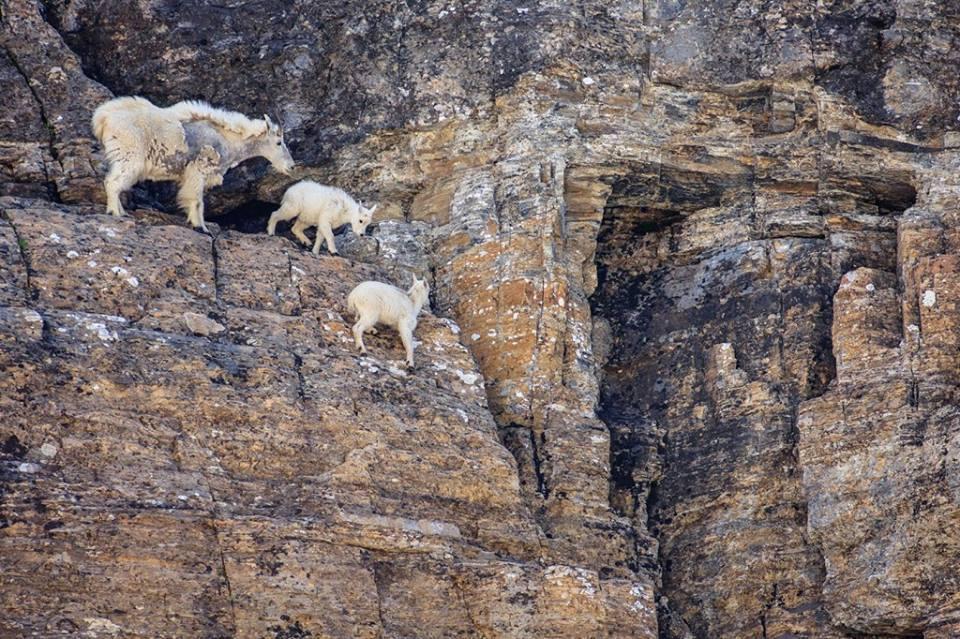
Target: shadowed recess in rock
718	331
249	217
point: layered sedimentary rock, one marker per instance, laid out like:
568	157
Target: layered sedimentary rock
693	277
197	450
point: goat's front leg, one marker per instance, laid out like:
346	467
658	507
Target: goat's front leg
190	196
198	214
406	336
324	232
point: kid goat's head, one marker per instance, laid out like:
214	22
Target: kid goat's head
275	149
361	218
419	292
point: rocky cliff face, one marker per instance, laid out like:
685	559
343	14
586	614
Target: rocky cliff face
691	365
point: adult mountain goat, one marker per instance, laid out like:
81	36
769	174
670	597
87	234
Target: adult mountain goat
325	207
191	143
377	303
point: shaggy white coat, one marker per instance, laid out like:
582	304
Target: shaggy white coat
375	303
191	143
325	207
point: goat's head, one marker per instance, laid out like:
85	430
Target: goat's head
275	149
361	218
419	292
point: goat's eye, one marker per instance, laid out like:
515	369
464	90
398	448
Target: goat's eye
279	143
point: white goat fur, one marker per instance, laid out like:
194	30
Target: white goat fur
377	303
325	207
190	142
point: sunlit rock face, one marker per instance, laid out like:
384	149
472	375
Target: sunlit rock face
689	367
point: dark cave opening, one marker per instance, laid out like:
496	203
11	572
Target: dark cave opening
706	310
249	217
890	193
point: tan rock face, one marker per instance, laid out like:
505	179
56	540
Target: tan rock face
887	432
263	476
689	371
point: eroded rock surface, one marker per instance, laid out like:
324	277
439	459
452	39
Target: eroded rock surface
692	368
259	475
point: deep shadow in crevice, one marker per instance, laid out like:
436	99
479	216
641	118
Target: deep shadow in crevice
675	296
249	217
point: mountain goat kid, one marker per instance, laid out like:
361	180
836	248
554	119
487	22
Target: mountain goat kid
325	207
378	303
191	143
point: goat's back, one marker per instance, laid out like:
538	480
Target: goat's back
134	131
384	301
120	111
313	199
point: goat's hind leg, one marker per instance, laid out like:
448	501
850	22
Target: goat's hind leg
363	325
120	178
284	213
298	230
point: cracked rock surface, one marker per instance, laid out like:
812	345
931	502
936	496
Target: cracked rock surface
689	369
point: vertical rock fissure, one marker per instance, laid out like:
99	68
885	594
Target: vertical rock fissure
536	448
216	267
214	514
377	583
51	132
294	282
24	255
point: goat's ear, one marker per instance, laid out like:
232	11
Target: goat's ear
372	209
271	125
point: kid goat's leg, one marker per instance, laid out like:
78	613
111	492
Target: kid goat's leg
324	232
406	336
298	227
363	324
284	213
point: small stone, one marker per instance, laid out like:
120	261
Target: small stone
202	325
49	450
